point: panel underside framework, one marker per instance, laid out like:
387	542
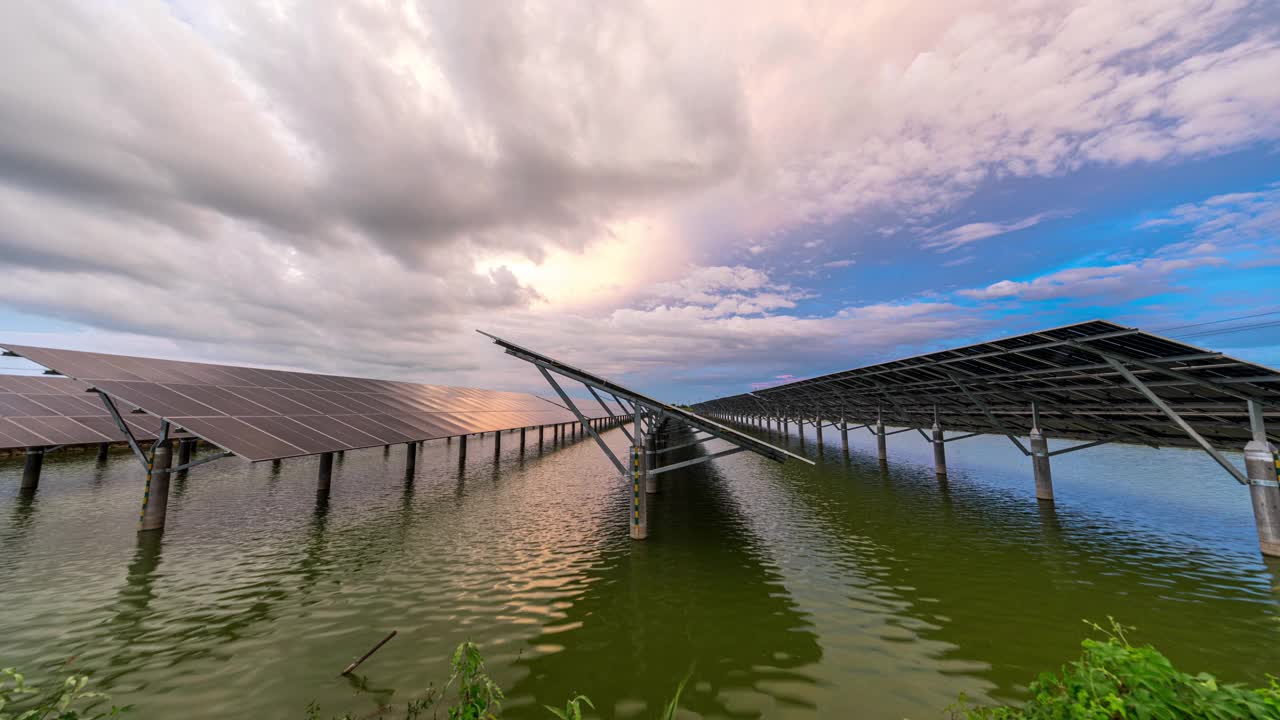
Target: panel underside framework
1068	373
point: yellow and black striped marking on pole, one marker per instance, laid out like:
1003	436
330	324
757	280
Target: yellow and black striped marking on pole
146	495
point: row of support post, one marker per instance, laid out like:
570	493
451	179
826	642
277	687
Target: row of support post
324	478
1262	461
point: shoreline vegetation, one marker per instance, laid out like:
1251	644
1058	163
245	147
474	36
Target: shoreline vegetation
1112	679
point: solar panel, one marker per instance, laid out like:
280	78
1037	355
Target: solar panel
1069	373
257	413
597	383
48	411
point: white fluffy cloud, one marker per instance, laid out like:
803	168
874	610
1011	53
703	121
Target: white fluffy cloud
355	186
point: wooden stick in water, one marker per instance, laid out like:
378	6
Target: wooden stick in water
372	650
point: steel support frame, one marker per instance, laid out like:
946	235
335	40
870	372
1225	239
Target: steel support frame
611	415
699	441
1177	419
990	416
622	469
146	458
652	413
1082	446
697	460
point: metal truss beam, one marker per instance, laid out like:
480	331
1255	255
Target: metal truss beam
1177	419
990	416
201	461
1082	446
697	460
622	469
611	415
124	428
699	441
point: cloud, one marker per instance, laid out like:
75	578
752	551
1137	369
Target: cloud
1096	284
973	232
840	263
778	380
354	187
1226	221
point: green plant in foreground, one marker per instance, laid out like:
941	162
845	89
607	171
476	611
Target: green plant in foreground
1114	679
479	697
67	700
572	709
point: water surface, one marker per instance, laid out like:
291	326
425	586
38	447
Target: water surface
784	591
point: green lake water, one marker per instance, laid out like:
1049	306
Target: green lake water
784	591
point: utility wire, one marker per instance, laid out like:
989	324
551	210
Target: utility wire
1217	322
1225	331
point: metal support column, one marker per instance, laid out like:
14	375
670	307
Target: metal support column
817	424
639	474
155	500
522	440
1262	465
651	480
939	452
1040	458
939	447
410	457
462	448
844	434
184	450
541	428
882	443
325	476
31	469
102	451
497	445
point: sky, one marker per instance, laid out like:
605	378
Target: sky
691	198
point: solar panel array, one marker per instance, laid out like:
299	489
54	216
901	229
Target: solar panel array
609	387
989	388
263	414
48	411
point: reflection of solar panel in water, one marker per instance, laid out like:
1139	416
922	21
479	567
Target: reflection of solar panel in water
47	411
266	414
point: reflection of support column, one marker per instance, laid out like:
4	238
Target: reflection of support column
1261	465
325	475
155	499
31	470
102	451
